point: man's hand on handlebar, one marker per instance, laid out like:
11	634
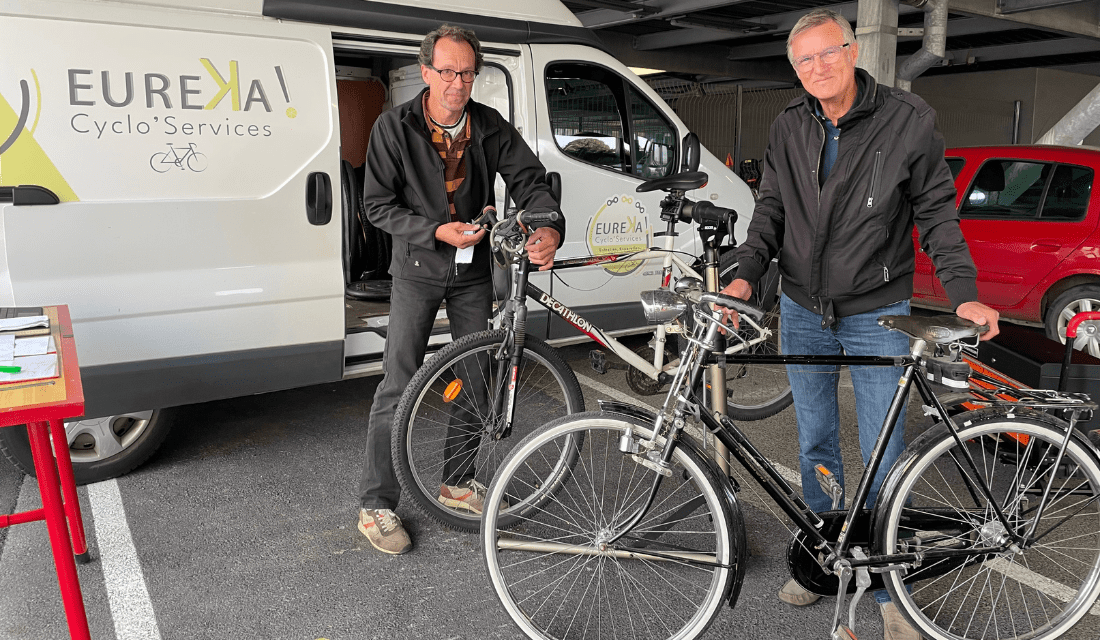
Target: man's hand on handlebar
457	234
980	314
737	289
541	247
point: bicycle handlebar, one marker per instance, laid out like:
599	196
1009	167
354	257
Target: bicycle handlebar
705	212
536	218
735	304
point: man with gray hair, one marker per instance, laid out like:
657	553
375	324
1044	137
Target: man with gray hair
431	163
850	168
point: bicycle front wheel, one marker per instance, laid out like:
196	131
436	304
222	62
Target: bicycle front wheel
1036	590
556	571
447	425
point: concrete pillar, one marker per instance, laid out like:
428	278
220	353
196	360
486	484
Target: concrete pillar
877	35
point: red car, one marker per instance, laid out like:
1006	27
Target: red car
1030	215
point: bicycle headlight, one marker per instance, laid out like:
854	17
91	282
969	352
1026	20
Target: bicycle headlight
661	306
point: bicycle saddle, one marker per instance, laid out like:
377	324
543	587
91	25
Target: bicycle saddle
937	329
677	182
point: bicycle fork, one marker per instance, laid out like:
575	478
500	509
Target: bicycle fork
510	355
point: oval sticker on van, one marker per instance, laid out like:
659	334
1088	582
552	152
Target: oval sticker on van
619	226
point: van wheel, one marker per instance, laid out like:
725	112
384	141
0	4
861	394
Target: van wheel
101	448
1085	297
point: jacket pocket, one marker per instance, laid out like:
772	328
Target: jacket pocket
876	175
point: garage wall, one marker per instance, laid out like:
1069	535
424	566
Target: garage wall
1045	95
971	108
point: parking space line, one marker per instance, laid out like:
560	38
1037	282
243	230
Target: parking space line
127	595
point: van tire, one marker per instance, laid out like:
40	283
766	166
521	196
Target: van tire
139	434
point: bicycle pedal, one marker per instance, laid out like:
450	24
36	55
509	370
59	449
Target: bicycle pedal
829	485
598	360
842	632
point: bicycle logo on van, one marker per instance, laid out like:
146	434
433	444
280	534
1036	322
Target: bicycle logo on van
180	158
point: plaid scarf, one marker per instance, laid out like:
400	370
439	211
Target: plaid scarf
452	152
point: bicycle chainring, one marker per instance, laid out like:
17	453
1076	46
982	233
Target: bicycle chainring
639	382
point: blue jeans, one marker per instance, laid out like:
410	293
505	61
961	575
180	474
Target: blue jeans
814	388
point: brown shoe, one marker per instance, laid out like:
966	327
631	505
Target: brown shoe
793	593
895	626
468	495
384	531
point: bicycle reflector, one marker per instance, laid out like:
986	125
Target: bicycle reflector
452	390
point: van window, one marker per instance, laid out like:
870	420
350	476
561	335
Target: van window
1028	190
600	118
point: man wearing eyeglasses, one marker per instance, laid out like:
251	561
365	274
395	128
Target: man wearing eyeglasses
849	169
430	167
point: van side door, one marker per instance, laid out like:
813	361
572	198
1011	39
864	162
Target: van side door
194	154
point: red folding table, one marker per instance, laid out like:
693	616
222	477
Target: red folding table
43	405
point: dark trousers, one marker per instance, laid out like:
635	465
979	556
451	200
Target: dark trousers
413	306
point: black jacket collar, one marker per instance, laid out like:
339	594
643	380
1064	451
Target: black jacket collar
481	124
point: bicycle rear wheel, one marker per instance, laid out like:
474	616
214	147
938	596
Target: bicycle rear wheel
444	423
555	573
934	504
756	391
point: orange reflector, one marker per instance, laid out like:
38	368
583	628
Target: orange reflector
1022	438
452	390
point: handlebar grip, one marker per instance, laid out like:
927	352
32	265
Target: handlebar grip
736	304
487	219
705	212
537	218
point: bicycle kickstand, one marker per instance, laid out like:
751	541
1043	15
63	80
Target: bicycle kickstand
843	631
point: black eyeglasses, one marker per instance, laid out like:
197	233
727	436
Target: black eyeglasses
448	75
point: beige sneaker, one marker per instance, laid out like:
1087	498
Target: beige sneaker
895	626
468	495
793	593
384	531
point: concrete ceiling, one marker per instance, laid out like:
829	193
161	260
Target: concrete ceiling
744	40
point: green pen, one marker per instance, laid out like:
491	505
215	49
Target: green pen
10	369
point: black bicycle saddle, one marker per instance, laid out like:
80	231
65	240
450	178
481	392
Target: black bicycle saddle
680	182
937	329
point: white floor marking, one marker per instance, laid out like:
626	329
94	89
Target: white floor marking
127	595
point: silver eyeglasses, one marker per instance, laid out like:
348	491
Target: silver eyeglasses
828	56
448	75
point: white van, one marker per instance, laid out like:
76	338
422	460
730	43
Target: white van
195	169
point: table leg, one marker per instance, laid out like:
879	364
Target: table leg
68	490
67	579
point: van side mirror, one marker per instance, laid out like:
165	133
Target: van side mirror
553	178
690	154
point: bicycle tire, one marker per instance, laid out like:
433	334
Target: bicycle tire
546	388
756	391
1038	592
571	585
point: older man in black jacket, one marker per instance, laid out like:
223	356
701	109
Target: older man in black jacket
430	168
849	168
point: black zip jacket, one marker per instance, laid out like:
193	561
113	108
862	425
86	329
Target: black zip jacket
846	247
404	193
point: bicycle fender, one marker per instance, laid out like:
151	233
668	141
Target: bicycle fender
737	519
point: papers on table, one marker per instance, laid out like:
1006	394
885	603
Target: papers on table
35	356
32	368
28	322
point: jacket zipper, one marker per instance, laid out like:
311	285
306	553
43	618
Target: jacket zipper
874	179
821	185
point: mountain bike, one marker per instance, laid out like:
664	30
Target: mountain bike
987	526
479	395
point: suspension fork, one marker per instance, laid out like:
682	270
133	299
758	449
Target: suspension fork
510	354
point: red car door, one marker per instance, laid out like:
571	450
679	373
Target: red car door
1021	218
